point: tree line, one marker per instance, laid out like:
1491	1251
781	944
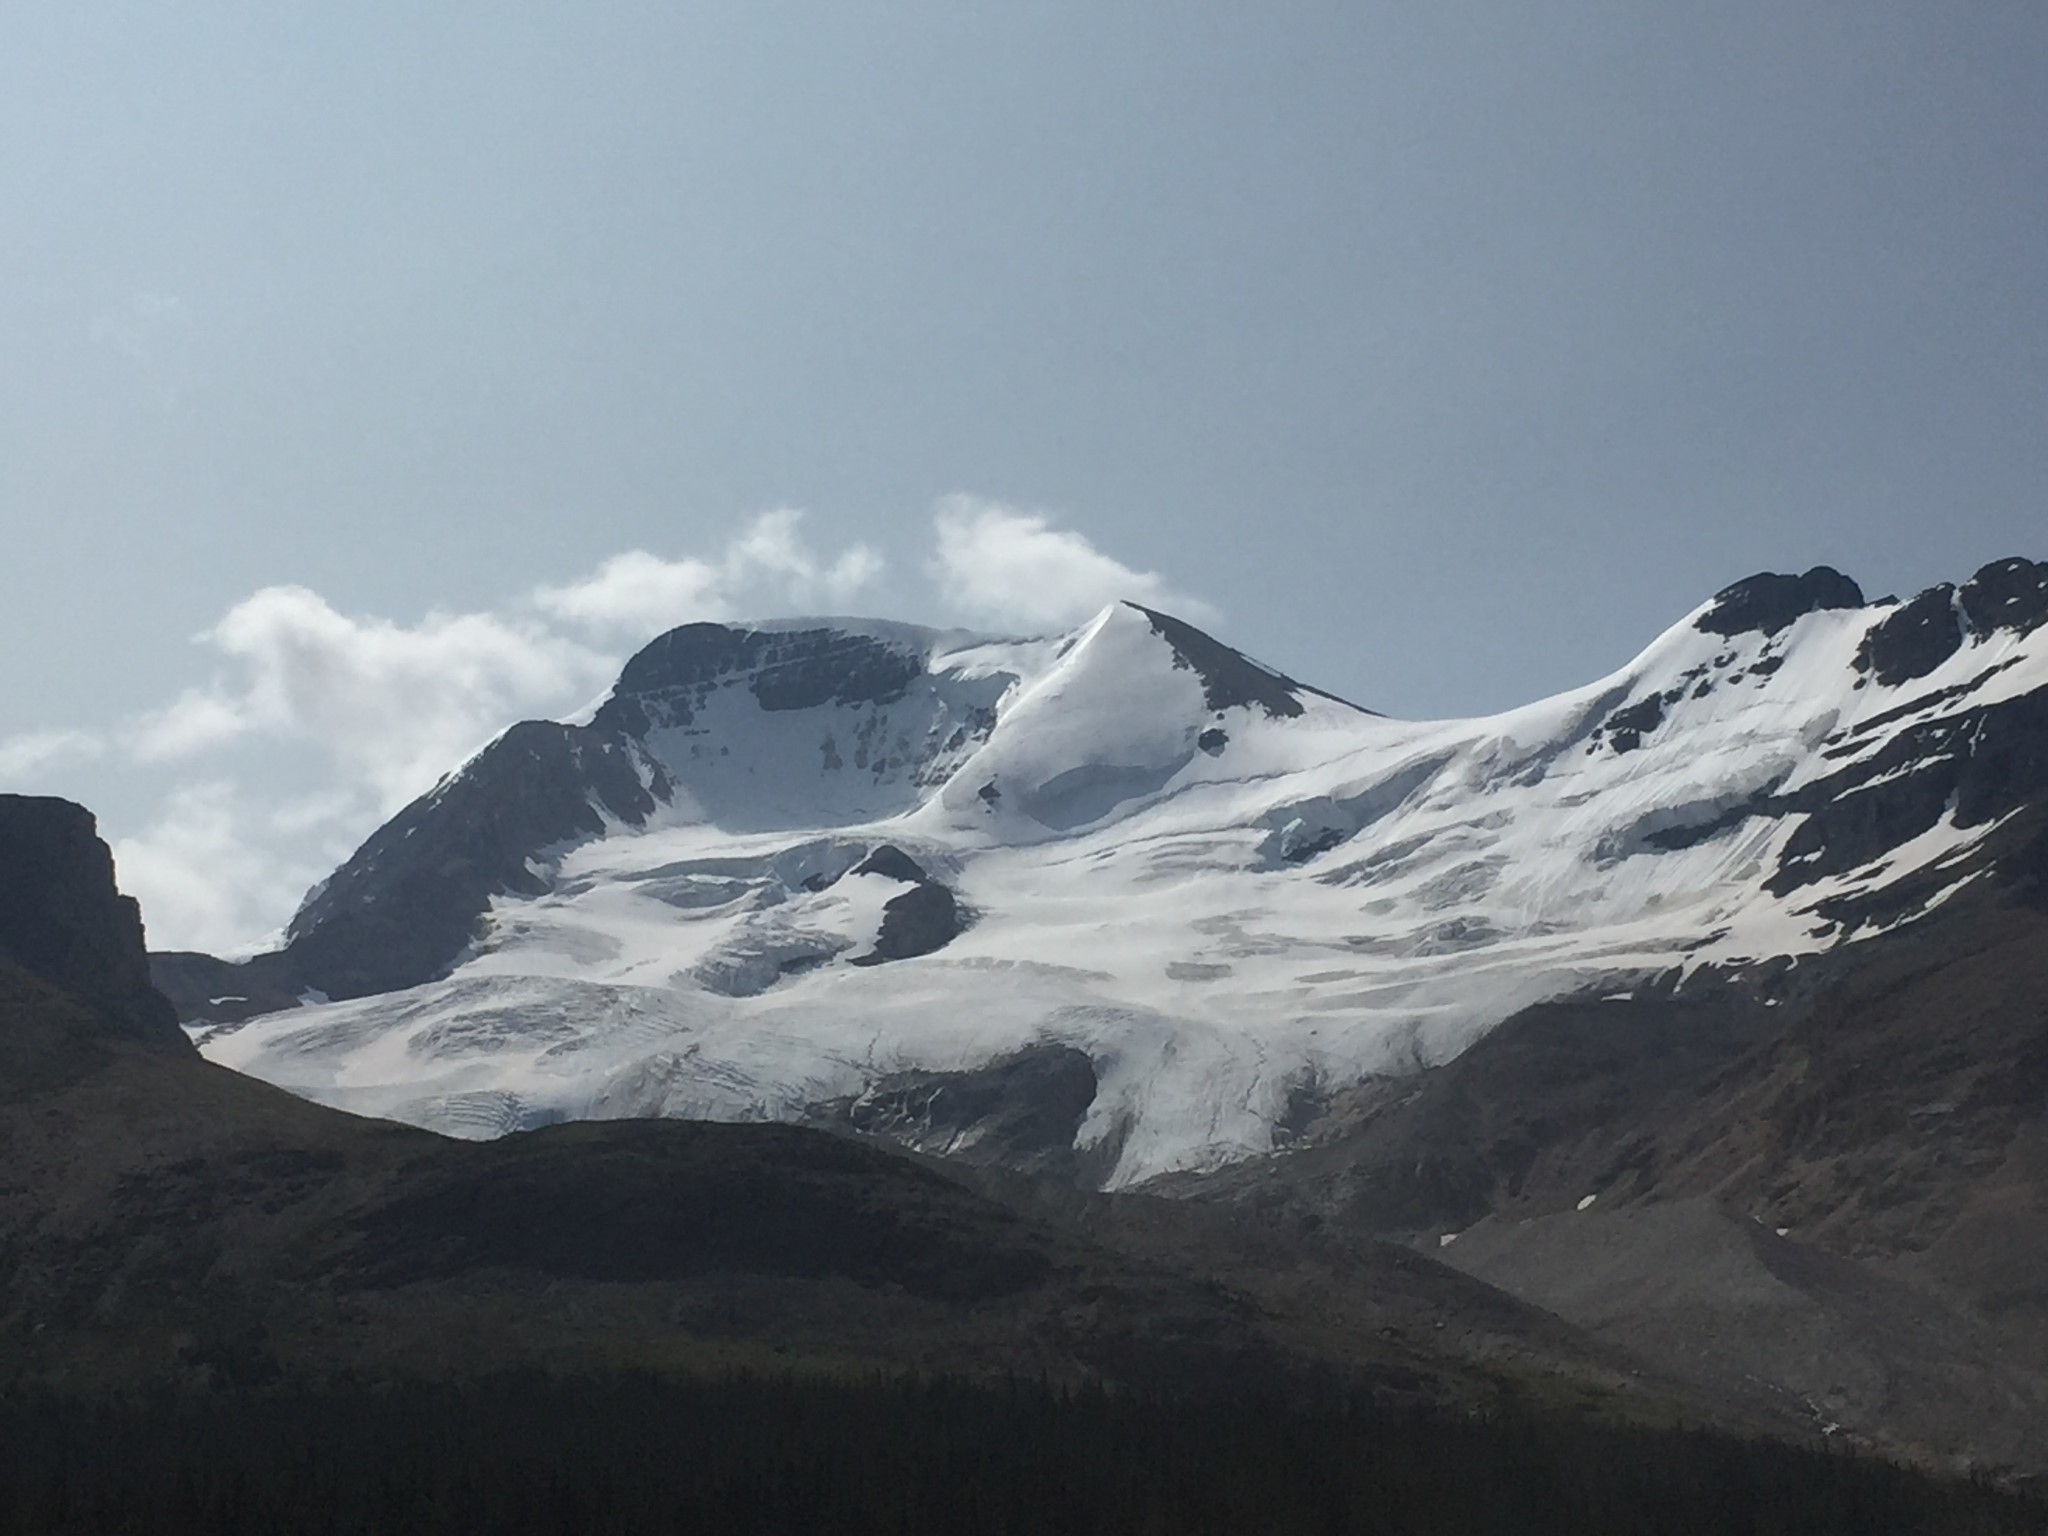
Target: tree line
530	1453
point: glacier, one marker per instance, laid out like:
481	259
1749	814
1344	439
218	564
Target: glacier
1225	887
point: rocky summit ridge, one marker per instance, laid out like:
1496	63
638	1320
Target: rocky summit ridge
807	869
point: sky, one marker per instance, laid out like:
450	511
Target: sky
372	376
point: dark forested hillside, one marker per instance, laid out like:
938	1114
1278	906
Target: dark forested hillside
595	1456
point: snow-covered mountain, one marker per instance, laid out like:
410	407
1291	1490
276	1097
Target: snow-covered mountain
829	868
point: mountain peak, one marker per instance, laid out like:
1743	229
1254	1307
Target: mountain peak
1231	679
1770	601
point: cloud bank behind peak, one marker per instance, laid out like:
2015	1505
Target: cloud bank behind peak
1008	568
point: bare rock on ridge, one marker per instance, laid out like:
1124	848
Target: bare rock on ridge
63	921
1771	601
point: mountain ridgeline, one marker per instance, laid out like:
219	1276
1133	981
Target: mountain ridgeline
1223	888
405	908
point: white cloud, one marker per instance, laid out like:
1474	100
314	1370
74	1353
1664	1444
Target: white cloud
26	757
638	592
328	810
197	719
393	706
1002	566
206	877
638	595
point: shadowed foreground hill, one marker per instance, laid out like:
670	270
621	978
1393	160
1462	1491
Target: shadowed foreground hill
162	1217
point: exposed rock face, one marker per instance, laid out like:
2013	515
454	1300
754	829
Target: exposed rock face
206	989
1971	767
1896	1103
1770	601
1915	640
64	922
892	863
1549	1102
1229	678
1975	766
1626	728
408	901
1021	1111
924	919
2007	594
669	681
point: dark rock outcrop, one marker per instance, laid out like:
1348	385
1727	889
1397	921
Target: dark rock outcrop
63	920
1924	632
1627	727
923	919
670	679
1914	639
892	863
1021	1112
1771	601
2007	594
406	904
208	990
1976	765
1230	679
1541	1109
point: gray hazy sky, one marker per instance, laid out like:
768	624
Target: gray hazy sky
1441	354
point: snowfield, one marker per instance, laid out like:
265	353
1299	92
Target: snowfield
1224	887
